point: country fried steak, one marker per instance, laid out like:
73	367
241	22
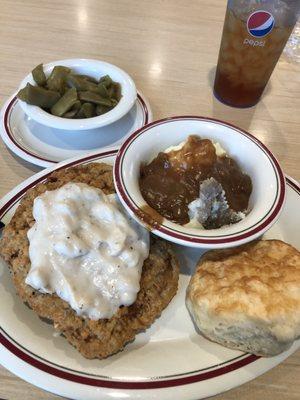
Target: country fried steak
93	339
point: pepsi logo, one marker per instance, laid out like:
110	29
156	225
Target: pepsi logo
260	23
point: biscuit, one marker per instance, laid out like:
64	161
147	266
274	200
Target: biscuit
248	298
93	339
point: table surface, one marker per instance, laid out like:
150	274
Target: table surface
170	49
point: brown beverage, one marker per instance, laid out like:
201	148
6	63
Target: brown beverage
252	42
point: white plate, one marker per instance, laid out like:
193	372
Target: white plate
168	361
45	146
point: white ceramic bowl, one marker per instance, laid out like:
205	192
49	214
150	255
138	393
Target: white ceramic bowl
255	159
95	69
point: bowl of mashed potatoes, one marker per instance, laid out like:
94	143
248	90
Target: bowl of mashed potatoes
199	182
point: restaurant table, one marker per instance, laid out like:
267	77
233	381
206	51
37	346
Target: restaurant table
170	49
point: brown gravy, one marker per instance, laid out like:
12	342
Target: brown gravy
150	217
172	180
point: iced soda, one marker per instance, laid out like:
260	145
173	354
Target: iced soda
254	35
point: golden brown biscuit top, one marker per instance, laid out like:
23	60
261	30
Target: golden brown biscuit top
258	281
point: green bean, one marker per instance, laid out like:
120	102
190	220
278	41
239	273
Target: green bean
106	80
86	77
77	82
57	78
92	97
65	103
80	114
92	87
22	94
102	90
100	110
38	96
64	89
114	91
73	111
70	95
39	75
110	91
70	114
117	92
87	110
76	105
82	84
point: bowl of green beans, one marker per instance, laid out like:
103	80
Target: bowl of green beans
77	94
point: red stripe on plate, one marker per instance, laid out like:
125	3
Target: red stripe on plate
145	109
11	137
124	384
294	185
8	204
96	382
